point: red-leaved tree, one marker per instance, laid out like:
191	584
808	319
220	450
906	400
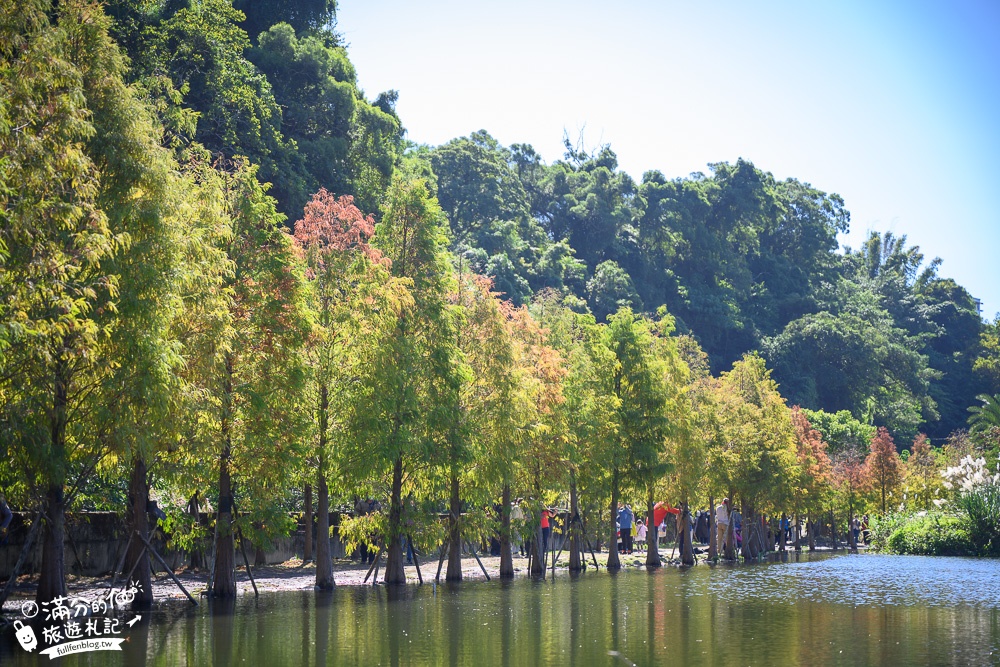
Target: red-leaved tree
812	485
884	464
333	236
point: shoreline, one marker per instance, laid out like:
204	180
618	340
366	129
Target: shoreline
295	575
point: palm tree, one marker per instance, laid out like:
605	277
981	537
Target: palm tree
986	416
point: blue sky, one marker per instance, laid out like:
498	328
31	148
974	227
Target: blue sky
892	105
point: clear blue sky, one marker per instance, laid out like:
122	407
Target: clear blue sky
893	105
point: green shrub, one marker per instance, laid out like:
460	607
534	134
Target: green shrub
880	528
982	506
932	534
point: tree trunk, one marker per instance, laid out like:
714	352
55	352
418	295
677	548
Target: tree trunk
324	563
652	533
798	531
747	532
713	540
52	579
506	557
687	552
614	562
259	556
852	544
308	518
811	533
138	522
575	542
833	531
197	561
394	573
454	572
224	583
537	554
729	549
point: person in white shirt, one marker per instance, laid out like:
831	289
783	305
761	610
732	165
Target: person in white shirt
721	524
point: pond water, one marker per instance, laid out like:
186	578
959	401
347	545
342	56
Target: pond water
819	610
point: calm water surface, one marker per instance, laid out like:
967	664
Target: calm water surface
842	610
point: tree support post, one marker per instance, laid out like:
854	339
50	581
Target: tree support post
416	562
437	577
149	547
22	557
378	555
481	566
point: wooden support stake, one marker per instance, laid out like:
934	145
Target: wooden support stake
569	523
135	565
586	539
444	553
246	561
25	550
372	568
167	568
243	550
481	566
121	562
416	562
378	561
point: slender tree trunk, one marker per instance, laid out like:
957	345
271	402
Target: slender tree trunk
308	518
259	556
713	540
614	562
224	583
575	541
454	530
652	532
537	553
197	561
52	579
138	522
687	552
833	531
730	546
811	533
324	563
852	544
747	532
506	557
394	573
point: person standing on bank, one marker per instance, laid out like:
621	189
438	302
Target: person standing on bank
625	528
547	515
722	524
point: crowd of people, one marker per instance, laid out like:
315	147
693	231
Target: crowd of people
634	533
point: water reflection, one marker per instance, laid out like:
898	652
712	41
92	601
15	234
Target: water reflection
838	611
